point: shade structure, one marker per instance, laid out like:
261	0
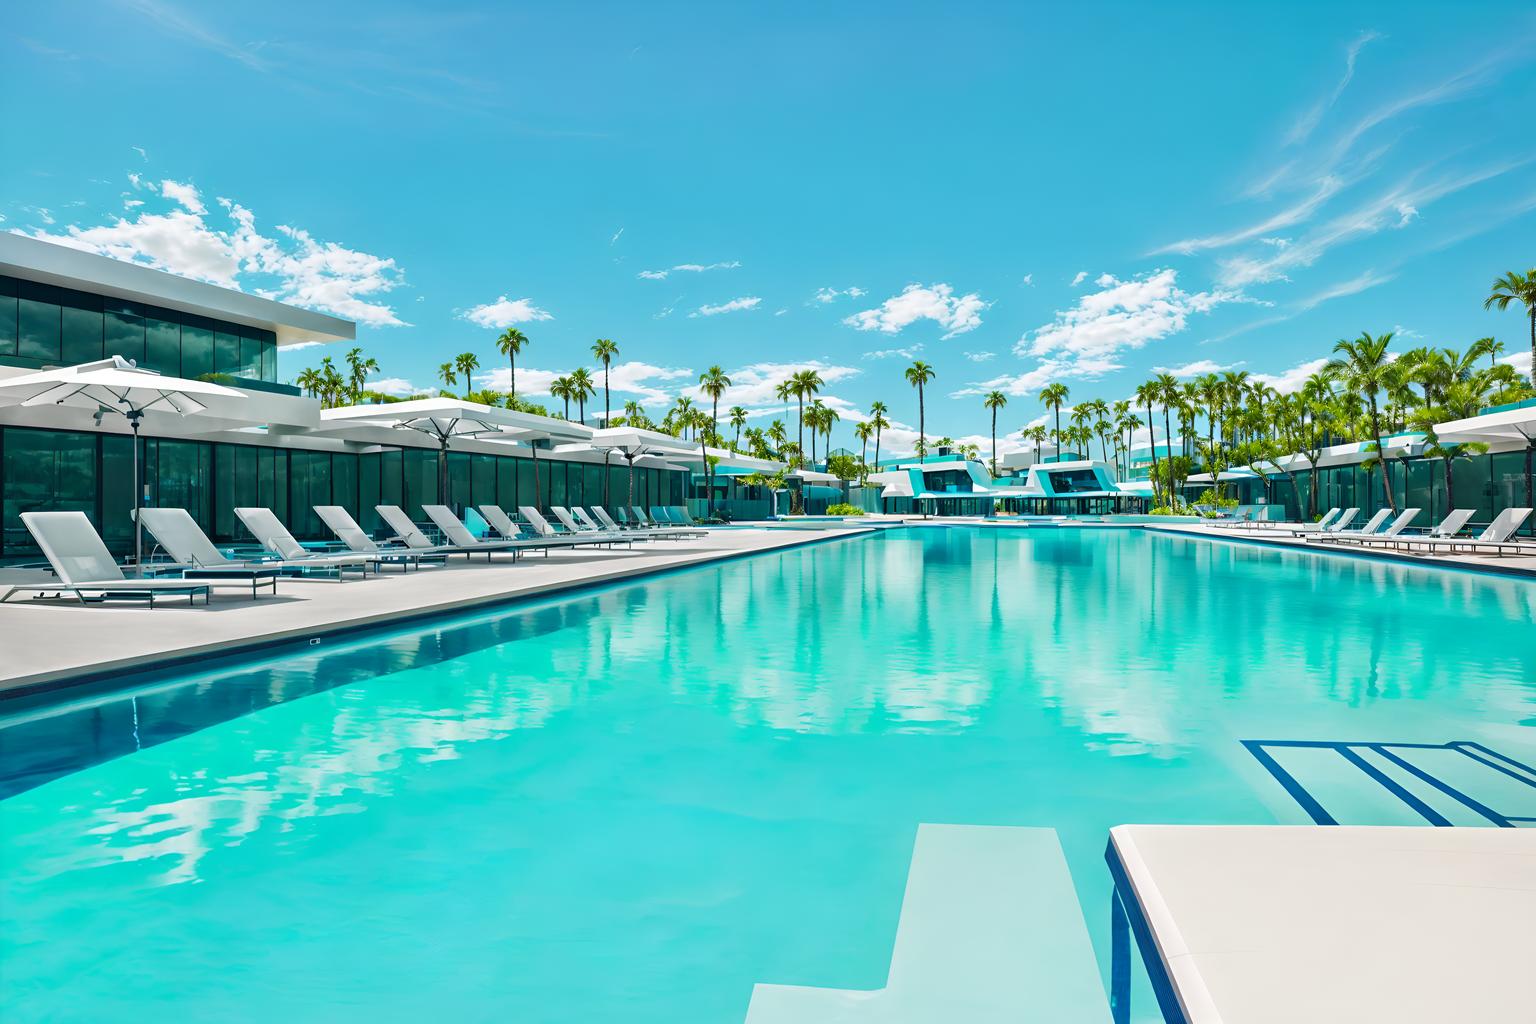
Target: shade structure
118	387
1518	425
443	419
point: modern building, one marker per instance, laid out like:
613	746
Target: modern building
274	446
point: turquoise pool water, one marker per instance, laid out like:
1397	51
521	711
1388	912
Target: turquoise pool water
634	804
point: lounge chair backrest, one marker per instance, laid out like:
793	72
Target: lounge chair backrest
72	546
639	514
345	528
660	514
538	522
1343	520
564	515
604	518
182	538
1504	525
1397	525
453	529
501	522
396	519
269	532
1373	524
1451	525
680	514
1328	517
585	517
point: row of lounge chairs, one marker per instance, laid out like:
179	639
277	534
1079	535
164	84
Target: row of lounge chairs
1498	538
84	567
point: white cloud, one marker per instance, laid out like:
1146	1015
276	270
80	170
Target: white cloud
898	353
505	312
616	236
917	302
780	312
1197	368
1295	214
1291	380
1082	275
1307	122
186	195
397	387
753	385
1354	286
1028	280
1521	361
688	268
1085	342
291	267
735	305
980	357
140	150
826	295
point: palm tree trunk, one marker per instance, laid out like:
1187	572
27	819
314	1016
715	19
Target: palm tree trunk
1381	457
1152	435
1167	435
922	426
1450	487
877	454
994	442
607	396
864	462
512	375
800	455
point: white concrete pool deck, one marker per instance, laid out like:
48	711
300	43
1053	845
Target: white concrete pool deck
50	641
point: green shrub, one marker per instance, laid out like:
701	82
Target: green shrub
844	509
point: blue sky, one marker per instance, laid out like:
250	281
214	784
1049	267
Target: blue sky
1014	193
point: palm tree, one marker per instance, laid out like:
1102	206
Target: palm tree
919	374
583	387
447	374
1055	396
877	411
561	388
308	382
827	418
713	382
738	418
994	401
510	344
634	414
358	370
803	384
862	432
1038	435
1170	393
1363	369
1521	288
1487	347
465	363
603	351
1147	394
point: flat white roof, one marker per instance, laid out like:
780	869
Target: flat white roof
48	263
1338	924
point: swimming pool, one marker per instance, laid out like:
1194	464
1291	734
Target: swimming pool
635	803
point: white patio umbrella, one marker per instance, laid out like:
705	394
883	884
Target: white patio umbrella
116	386
1518	425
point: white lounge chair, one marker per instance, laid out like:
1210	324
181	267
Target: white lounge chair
1367	535
177	532
395	518
542	527
1317	527
502	523
356	539
660	533
459	536
591	533
274	536
1496	537
1372	526
84	566
1448	527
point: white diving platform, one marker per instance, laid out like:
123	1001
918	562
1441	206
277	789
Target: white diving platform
1323	924
990	931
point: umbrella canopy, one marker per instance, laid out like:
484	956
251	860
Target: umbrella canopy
1509	425
116	386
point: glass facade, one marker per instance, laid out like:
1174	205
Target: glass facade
42	326
43	470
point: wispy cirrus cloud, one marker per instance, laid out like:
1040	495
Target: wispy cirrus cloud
1354	286
957	314
1308	121
745	302
686	268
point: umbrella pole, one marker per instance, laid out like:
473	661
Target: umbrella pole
442	473
138	497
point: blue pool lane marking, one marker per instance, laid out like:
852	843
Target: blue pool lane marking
990	931
1441	784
